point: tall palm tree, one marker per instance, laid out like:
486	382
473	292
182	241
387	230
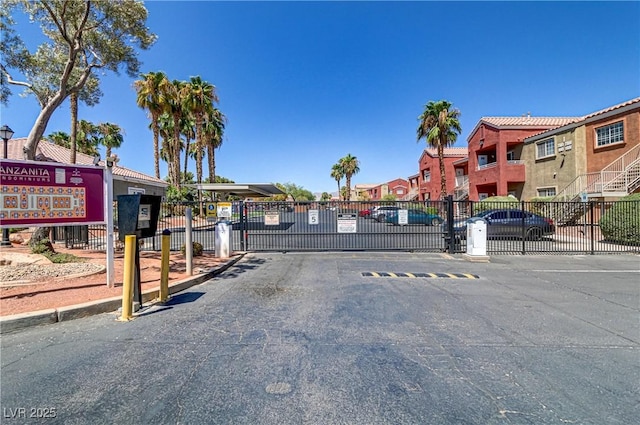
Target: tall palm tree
440	126
337	173
175	96
198	99
350	166
110	136
151	90
214	132
187	125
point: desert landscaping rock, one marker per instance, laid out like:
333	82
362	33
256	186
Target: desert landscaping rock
34	273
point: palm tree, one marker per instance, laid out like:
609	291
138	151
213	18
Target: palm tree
151	91
187	125
198	99
440	126
110	136
214	132
175	96
350	166
337	173
87	141
60	138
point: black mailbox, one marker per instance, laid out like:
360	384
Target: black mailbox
138	215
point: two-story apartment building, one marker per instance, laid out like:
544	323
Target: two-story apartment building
495	163
596	156
398	187
429	176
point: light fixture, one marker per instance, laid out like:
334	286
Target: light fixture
5	134
96	159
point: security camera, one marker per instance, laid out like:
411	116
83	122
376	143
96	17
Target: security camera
96	159
110	161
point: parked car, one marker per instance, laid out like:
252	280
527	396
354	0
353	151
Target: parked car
415	217
380	213
365	213
509	223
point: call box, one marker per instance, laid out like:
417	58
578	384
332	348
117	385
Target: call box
138	215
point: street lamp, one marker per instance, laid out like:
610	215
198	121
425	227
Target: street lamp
5	134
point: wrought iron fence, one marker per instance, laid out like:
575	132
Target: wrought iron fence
438	226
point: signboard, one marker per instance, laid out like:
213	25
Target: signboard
347	223
210	208
224	209
584	197
34	193
271	218
144	216
314	217
403	216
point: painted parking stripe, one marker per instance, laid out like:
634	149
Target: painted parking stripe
421	275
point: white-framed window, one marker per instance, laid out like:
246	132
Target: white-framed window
400	192
546	191
609	134
511	155
545	148
135	190
426	175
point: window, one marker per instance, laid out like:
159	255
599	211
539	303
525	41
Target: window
511	156
546	191
609	134
546	148
427	175
400	192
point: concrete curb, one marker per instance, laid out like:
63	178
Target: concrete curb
44	317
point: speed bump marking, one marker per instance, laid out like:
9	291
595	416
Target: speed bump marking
419	275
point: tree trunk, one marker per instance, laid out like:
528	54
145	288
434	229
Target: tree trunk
73	100
156	144
40	236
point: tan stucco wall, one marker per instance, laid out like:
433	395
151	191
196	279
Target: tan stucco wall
559	170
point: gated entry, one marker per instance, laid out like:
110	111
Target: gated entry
341	226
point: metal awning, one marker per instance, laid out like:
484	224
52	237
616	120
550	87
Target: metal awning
246	190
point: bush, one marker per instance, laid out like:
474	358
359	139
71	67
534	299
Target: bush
496	202
621	223
198	249
45	248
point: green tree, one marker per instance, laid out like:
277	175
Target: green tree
337	173
213	134
151	92
110	136
87	138
325	197
298	193
440	126
175	97
60	138
350	166
83	37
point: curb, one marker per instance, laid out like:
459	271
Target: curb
44	317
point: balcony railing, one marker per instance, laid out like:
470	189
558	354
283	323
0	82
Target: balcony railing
489	165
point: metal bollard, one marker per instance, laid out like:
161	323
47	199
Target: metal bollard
128	276
164	267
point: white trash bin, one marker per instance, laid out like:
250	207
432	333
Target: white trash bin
477	236
223	239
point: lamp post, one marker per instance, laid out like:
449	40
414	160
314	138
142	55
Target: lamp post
5	134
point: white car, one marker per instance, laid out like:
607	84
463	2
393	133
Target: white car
380	213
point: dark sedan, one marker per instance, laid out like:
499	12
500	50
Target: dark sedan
510	223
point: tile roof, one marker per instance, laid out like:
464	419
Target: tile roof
612	108
529	121
50	152
448	152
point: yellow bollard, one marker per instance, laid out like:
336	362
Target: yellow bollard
129	272
164	266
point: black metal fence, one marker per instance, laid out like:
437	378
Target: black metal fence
433	226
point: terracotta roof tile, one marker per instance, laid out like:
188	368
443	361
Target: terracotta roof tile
612	108
529	121
448	152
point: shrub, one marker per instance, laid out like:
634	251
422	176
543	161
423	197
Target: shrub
621	223
197	249
45	248
496	202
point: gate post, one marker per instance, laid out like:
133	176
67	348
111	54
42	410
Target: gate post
449	236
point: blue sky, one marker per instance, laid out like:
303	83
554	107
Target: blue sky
305	83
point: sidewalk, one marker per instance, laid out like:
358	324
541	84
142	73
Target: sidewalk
55	299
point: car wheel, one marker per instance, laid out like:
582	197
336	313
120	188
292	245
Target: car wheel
381	218
435	221
534	234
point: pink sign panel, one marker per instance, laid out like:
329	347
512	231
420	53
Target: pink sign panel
34	193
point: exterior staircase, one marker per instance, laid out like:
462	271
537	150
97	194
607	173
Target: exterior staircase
412	195
617	179
461	191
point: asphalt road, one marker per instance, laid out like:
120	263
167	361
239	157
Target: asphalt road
308	339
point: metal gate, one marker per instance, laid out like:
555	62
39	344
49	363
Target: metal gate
341	226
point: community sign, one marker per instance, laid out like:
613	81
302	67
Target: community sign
34	193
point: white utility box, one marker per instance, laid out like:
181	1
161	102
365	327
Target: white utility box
223	239
476	236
